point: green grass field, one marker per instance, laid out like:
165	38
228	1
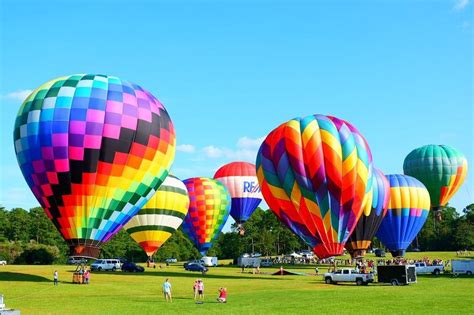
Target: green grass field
30	290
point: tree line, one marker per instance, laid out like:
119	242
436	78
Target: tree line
29	237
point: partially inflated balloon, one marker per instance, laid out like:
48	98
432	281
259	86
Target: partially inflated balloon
241	181
209	207
161	216
375	209
321	165
441	168
93	150
407	213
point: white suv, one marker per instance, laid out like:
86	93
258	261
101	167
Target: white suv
106	264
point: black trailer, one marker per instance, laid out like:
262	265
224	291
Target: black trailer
396	274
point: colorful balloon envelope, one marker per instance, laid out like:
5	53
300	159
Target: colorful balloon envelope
241	181
209	207
93	149
441	168
153	225
408	210
320	165
375	209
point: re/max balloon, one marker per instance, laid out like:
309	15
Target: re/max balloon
407	213
375	209
241	181
209	207
321	166
441	168
93	150
153	225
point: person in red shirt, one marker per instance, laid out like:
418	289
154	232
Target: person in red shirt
222	295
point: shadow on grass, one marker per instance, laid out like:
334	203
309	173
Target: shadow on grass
14	276
188	274
445	276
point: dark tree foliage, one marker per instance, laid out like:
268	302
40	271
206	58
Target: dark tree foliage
30	237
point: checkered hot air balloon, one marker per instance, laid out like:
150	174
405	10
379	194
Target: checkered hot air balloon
241	181
375	209
209	207
441	168
408	210
153	225
93	149
315	170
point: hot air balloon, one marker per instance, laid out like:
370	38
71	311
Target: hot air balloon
375	208
320	165
241	181
407	212
209	209
441	168
161	216
93	149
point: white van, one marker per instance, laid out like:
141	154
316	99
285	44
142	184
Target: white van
209	261
464	266
106	264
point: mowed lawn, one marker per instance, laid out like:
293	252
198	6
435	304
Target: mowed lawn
30	290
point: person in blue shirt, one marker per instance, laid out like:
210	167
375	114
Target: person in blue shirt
167	290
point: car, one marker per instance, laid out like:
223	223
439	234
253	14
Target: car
106	264
3	262
132	267
76	261
348	275
196	267
171	260
307	254
379	252
422	267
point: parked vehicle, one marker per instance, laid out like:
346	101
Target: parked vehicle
348	275
3	262
171	260
396	274
307	254
76	261
464	266
105	264
266	263
209	261
132	267
249	262
195	267
379	252
421	267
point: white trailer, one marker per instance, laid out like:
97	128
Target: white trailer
209	261
464	266
249	262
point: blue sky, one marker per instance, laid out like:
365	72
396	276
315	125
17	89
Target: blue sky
230	71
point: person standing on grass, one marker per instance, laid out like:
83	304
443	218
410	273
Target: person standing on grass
195	289
87	275
167	291
201	289
55	277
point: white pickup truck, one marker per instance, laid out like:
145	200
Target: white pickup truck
348	275
3	262
421	267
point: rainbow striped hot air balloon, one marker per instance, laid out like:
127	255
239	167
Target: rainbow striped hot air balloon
93	149
320	165
153	225
209	209
375	209
241	181
441	168
407	213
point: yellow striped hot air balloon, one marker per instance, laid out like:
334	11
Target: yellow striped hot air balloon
161	216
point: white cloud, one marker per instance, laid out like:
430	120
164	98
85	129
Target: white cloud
249	143
19	95
460	5
186	148
246	150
